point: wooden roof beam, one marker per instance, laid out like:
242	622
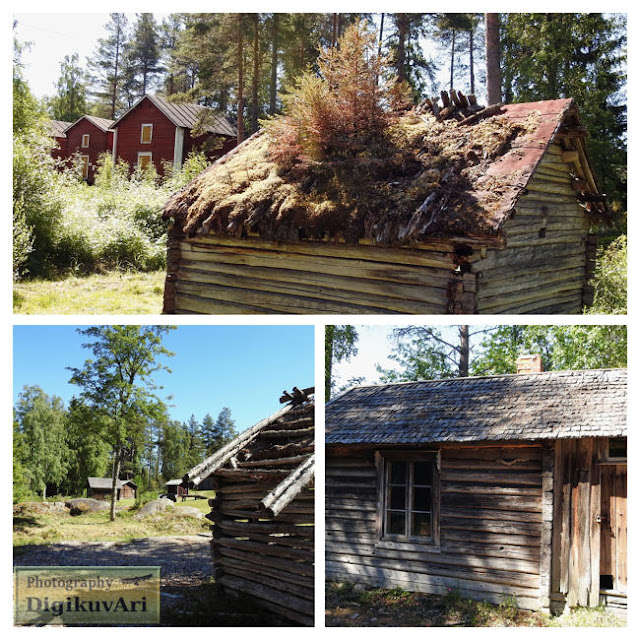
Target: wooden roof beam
289	488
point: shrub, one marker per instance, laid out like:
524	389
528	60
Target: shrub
342	111
610	278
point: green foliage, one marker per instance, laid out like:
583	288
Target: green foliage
215	434
70	102
561	347
43	427
610	279
21	476
339	344
574	55
427	353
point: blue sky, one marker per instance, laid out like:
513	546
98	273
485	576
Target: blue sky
245	368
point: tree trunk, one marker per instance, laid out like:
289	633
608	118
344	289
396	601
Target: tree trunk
256	72
492	45
464	351
328	360
273	89
453	57
472	82
240	62
44	492
403	30
115	472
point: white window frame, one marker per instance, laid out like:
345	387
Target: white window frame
142	140
85	140
145	154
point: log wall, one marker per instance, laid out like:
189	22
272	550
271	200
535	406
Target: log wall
492	525
224	275
544	267
547	261
268	558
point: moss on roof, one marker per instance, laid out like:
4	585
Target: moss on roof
426	179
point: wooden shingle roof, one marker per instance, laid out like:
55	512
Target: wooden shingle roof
555	404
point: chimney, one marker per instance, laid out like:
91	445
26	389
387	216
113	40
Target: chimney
529	364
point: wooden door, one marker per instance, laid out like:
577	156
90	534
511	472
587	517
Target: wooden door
613	528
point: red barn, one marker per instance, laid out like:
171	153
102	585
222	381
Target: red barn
89	137
156	131
56	129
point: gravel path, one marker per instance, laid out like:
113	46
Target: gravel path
185	560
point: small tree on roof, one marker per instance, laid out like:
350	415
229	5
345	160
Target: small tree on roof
341	111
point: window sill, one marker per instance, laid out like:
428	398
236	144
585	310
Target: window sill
427	547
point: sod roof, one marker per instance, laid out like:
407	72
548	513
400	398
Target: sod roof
434	179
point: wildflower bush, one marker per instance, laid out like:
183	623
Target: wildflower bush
63	225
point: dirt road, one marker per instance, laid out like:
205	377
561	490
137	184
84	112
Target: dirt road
188	595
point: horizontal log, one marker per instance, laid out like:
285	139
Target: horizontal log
258	561
499	478
488	572
265	579
272	572
570	303
425	582
350	472
273	462
288	435
423	254
289	605
492	526
505	503
453	535
287	297
245	528
298	268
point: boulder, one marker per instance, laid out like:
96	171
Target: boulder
78	506
40	507
153	507
189	511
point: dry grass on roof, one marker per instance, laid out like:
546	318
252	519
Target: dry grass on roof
426	179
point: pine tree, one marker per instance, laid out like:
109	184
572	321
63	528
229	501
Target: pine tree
144	51
106	66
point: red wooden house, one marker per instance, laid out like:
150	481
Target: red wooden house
56	129
157	131
89	137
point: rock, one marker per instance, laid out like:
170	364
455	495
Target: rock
78	506
189	511
39	507
153	507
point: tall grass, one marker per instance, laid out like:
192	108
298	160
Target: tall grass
73	227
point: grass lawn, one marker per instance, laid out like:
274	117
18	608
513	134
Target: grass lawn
111	293
349	606
33	527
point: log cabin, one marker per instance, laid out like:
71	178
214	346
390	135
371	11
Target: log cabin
500	486
263	513
88	138
484	213
100	489
157	131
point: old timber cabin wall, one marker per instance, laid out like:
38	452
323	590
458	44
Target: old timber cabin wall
548	257
263	513
492	525
498	223
226	275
